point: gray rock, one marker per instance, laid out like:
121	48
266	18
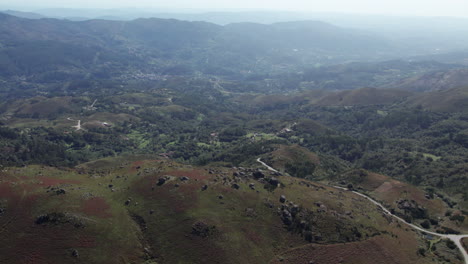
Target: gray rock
295	209
286	217
273	181
161	181
282	199
60	191
258	174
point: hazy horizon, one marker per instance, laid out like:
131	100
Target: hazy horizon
446	8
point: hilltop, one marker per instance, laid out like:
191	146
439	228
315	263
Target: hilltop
170	212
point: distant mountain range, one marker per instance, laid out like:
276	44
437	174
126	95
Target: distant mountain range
167	46
306	54
416	35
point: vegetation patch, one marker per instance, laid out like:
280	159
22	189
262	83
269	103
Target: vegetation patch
96	206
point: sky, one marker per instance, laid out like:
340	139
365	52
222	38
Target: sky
456	8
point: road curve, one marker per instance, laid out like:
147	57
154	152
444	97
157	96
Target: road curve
455	238
264	164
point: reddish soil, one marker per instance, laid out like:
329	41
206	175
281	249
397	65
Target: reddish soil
47	181
137	163
374	180
252	235
23	241
373	251
96	206
85	241
178	199
192	174
393	190
6	190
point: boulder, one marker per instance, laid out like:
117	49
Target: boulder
286	217
258	174
235	186
295	209
204	187
60	192
184	178
282	199
273	181
161	181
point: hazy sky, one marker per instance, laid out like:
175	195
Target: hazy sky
405	7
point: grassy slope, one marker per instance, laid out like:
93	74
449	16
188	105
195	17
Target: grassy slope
389	191
245	229
448	100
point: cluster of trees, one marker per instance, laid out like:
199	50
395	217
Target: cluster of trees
201	124
54	147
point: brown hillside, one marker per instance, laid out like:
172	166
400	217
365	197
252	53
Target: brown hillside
434	81
363	96
451	100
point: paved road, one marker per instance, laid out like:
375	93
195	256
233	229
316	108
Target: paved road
264	164
455	238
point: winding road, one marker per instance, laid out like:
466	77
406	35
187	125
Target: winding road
457	239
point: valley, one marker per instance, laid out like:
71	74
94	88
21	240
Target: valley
168	141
